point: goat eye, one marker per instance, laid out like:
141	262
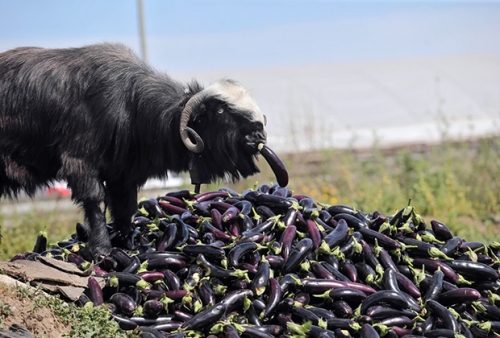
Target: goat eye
220	111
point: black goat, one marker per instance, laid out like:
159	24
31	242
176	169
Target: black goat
104	121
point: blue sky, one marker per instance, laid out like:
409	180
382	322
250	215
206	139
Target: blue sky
206	35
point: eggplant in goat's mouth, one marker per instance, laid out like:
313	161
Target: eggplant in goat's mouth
276	164
256	138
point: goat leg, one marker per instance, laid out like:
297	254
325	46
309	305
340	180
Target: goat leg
122	201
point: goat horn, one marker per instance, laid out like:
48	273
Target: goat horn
198	145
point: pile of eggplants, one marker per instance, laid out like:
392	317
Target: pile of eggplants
269	263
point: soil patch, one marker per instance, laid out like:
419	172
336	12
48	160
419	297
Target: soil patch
16	308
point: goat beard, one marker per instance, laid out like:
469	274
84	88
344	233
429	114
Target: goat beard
229	166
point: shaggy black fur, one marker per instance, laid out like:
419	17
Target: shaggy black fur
104	121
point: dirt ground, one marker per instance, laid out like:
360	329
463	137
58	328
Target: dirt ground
17	309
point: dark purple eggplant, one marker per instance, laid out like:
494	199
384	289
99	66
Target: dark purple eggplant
265	212
211	251
210	195
460	295
440	333
334	272
390	281
421	248
389	297
171	279
124	303
124	323
41	242
206	226
298	254
107	263
441	231
401	321
385	259
474	270
317	286
339	208
230	332
341	309
451	245
124	278
261	278
152	308
302	314
245	223
149	332
133	266
288	283
432	265
169	238
449	321
95	291
378	312
344	324
290	217
80	262
335	238
367	331
313	231
230	215
320	271
365	272
171	209
352	221
168	327
121	257
276	164
206	292
352	296
286	241
275	262
274	202
349	270
240	250
234	299
274	297
435	287
370	258
218	271
407	285
383	240
265	226
151	276
165	262
144	321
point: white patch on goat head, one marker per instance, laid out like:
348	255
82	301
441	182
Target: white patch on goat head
237	97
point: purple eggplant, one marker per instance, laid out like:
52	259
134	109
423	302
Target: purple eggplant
152	308
435	287
210	251
95	292
460	295
124	303
205	317
276	164
41	242
336	237
389	297
449	321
